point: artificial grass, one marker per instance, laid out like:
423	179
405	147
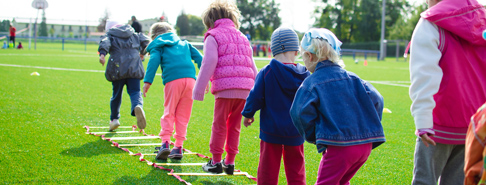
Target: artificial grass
44	141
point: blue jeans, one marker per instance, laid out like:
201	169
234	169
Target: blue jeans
133	89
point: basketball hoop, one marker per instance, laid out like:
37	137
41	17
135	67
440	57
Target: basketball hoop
40	4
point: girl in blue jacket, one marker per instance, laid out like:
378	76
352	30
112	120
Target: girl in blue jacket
336	110
174	57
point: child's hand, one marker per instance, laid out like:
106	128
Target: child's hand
427	140
142	56
102	60
207	89
146	87
248	121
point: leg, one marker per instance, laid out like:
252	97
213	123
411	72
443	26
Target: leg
453	172
183	111
218	130
364	152
133	89
269	165
116	99
233	129
294	163
171	99
337	162
429	162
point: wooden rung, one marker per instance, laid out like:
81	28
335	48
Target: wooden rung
156	154
206	174
144	144
109	127
119	132
180	164
133	138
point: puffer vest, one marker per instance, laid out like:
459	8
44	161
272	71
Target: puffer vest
234	68
463	87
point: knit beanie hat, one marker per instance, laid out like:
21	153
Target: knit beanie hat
110	24
283	40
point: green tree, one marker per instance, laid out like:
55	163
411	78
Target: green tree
182	24
101	26
196	26
259	17
404	27
43	25
4	26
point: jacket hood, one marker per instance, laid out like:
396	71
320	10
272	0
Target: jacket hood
464	18
124	31
289	77
166	39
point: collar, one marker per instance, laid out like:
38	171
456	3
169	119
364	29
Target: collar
325	63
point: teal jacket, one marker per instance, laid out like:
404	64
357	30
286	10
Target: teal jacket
174	57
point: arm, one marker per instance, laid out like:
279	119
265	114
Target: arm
153	65
375	97
255	99
196	56
208	66
104	48
425	75
304	113
144	42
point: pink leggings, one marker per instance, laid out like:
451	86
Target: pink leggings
340	163
269	166
226	128
177	109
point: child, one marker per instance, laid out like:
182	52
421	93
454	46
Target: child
5	46
124	68
447	64
475	149
336	110
20	46
229	64
178	76
278	82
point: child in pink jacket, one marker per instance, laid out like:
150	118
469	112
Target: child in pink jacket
229	65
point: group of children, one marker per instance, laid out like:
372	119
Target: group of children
11	45
331	108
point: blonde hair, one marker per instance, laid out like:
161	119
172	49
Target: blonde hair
221	9
324	51
159	29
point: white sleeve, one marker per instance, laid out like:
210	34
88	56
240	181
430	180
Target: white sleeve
425	73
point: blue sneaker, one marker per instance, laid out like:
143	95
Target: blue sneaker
176	153
163	151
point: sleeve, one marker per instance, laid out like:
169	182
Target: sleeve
425	72
144	42
153	65
196	55
375	97
105	45
304	113
256	98
208	65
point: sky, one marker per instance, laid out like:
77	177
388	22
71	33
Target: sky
294	13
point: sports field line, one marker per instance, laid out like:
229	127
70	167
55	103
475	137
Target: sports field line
46	55
390	83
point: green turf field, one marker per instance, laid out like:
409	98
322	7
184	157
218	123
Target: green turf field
43	139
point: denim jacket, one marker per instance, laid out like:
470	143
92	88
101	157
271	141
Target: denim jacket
335	107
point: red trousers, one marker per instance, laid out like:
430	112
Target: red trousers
269	166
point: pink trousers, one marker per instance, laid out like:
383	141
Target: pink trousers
340	163
177	109
226	128
269	166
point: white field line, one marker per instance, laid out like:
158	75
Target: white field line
46	55
392	83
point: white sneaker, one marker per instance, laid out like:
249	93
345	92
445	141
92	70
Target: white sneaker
141	122
114	124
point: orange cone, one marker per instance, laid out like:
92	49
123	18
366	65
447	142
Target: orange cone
365	63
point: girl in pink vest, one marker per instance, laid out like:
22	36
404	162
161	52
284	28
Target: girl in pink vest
229	65
447	72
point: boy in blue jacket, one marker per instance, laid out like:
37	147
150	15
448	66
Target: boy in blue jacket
273	93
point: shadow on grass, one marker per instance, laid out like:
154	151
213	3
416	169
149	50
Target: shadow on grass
156	176
91	149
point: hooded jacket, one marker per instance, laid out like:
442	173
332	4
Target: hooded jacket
273	94
174	57
124	47
448	71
